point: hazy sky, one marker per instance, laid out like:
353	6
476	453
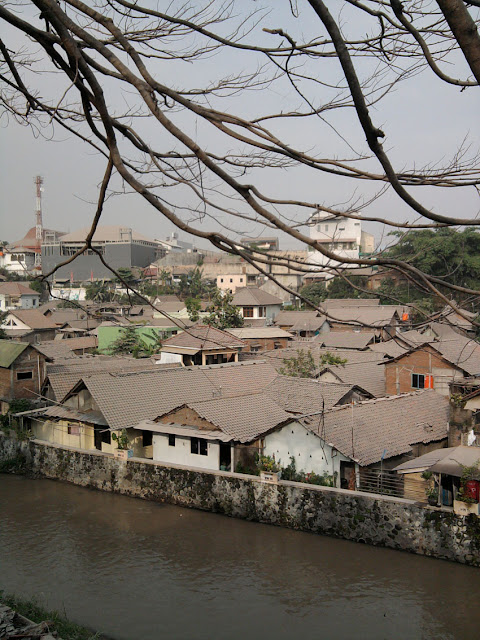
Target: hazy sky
424	119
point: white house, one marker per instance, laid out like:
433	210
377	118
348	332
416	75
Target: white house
343	236
254	303
14	295
17	260
310	452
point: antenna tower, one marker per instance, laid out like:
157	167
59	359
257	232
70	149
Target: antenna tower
39	224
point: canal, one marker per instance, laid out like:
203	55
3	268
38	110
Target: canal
138	570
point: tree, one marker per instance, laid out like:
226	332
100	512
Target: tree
222	313
303	365
193	307
100	292
315	293
3	335
132	342
351	287
210	149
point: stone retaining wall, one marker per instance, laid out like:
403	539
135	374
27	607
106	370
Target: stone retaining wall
360	517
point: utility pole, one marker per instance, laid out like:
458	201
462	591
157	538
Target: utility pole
39	224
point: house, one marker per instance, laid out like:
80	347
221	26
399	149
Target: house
231	282
357	340
448	466
18	260
123	396
262	338
14	295
301	320
382	320
361	368
433	365
201	345
348	440
22	372
340	235
68	347
256	304
30	325
221	433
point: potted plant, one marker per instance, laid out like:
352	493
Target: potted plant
270	470
464	503
123	451
431	490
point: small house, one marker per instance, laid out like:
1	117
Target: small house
255	304
201	345
14	295
22	372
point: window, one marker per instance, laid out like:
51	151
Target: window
221	279
319	227
262	312
421	381
199	446
171	440
326	227
231	279
106	437
147	438
24	375
241	279
418	381
248	312
73	430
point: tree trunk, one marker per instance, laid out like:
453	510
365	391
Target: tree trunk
465	31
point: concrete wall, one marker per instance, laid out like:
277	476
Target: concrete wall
307	449
360	517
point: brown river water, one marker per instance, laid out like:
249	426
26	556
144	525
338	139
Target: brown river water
140	570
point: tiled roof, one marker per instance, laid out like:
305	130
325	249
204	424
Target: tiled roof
202	337
389	348
289	318
370	316
367	372
302	395
33	318
67	413
248	333
240	378
308	323
459	350
253	296
241	418
127	398
345	339
336	303
16	289
64	348
364	431
66	373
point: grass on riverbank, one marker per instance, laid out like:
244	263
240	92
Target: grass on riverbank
32	610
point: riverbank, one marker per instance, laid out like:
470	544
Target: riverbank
56	622
383	521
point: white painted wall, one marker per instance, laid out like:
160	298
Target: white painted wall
181	454
67	293
295	440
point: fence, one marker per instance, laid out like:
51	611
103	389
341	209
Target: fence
384	482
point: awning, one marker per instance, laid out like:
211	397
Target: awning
448	461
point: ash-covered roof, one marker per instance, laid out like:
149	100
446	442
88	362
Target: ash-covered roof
385	426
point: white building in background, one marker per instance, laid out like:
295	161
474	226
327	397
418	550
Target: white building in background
343	236
20	261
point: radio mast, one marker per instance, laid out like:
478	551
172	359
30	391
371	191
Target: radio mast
39	224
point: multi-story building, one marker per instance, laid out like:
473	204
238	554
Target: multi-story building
119	246
340	235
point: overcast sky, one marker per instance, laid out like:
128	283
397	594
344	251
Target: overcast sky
424	119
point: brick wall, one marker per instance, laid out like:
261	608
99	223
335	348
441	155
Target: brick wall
30	361
266	344
398	374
